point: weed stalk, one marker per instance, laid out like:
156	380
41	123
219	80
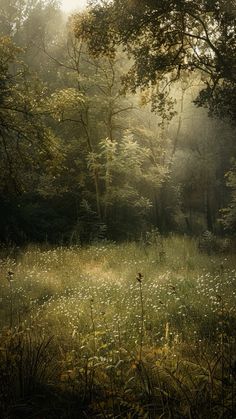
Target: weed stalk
10	280
141	335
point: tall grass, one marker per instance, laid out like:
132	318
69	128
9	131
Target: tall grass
134	330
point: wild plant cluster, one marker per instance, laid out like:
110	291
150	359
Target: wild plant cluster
138	330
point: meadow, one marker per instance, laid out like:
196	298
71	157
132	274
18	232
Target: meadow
132	330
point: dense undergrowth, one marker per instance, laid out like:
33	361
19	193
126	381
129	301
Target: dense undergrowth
138	330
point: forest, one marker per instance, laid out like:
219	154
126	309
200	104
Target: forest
108	141
118	209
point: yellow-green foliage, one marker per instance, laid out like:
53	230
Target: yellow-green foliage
118	353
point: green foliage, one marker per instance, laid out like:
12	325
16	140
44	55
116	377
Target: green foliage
124	164
220	102
167	41
22	126
229	213
64	103
26	365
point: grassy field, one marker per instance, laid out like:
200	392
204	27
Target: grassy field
118	331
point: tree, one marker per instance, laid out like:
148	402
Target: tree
22	126
24	26
229	213
167	39
28	146
99	122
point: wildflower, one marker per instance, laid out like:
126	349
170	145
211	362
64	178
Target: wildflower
10	275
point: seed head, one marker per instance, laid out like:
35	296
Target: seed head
173	288
139	277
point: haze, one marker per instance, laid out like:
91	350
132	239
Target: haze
69	5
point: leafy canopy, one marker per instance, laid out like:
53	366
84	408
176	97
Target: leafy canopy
169	39
25	141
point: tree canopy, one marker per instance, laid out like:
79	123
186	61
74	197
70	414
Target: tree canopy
167	40
22	125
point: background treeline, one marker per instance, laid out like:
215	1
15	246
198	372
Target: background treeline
82	159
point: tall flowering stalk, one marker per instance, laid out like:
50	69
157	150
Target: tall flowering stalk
10	275
139	278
